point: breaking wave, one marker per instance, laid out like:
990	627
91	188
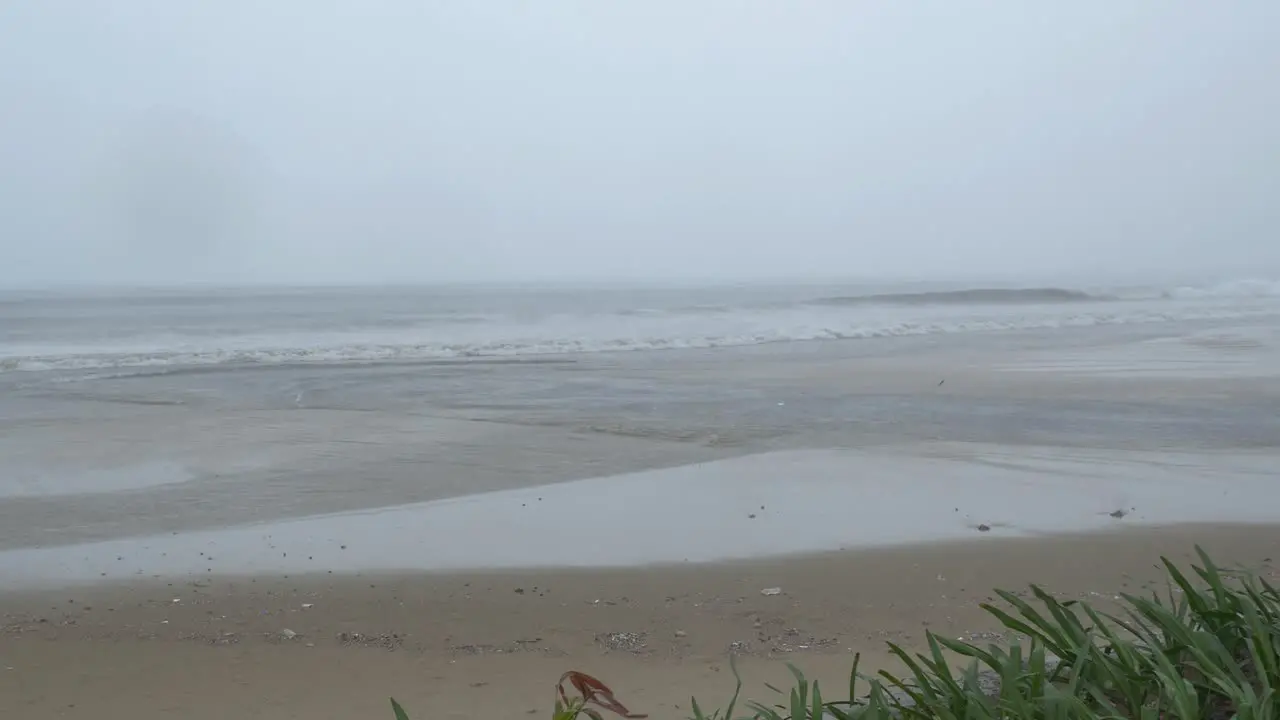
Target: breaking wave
1231	289
753	330
210	330
972	296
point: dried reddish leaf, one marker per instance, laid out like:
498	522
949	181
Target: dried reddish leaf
595	692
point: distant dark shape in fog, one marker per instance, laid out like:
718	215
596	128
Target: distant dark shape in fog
144	141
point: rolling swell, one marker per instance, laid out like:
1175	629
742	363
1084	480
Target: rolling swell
973	296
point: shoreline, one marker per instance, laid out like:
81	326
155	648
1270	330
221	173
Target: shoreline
741	508
317	578
468	644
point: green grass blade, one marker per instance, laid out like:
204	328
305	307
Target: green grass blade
853	678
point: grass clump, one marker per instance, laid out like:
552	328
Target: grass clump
1209	648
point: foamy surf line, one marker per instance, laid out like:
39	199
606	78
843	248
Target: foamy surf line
761	329
759	506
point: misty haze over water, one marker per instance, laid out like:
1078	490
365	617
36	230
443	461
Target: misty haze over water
148	143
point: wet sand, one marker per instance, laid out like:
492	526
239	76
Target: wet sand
491	644
755	506
461	533
102	458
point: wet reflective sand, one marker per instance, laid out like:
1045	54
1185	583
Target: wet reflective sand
748	507
638	457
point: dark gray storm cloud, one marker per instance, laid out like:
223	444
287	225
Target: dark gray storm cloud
151	141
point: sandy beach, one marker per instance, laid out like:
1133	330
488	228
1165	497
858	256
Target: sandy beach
304	539
432	350
465	645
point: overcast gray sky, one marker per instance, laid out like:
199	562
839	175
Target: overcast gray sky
165	141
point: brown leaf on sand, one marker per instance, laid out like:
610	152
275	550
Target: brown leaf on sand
593	692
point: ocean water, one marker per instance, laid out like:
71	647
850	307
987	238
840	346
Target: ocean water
127	418
45	331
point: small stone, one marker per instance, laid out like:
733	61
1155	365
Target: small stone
984	528
681	633
771	591
519	591
288	634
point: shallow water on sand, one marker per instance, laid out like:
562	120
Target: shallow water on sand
1144	411
755	506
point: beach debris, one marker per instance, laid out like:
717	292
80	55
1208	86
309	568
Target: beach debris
1118	513
288	634
623	641
592	692
519	591
681	633
984	528
739	646
752	516
473	649
771	591
515	646
307	606
983	636
389	641
793	641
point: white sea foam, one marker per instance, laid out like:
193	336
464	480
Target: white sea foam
1247	288
571	342
408	327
